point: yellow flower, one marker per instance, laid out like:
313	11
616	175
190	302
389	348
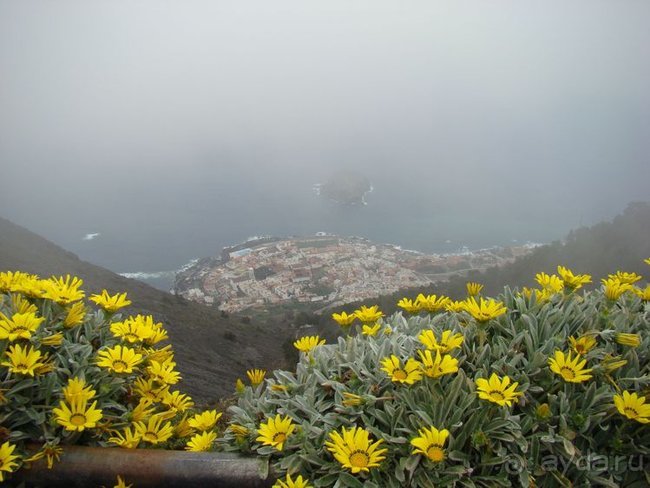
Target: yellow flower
21	304
299	482
307	343
432	303
78	415
440	366
161	355
177	401
30	285
120	359
643	294
76	389
623	277
485	309
239	430
20	326
630	340
201	442
646	261
408	305
368	315
23	360
127	439
121	483
63	290
240	386
256	376
343	319
52	340
455	306
183	428
551	283
149	390
369	330
131	330
76	313
354	450
573	281
448	340
583	344
110	303
7	459
633	407
571	370
159	333
205	420
431	443
154	431
51	452
496	390
351	400
409	374
613	288
473	289
163	372
275	431
612	363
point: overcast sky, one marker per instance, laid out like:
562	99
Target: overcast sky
534	106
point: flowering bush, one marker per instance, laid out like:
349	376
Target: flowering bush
74	374
542	387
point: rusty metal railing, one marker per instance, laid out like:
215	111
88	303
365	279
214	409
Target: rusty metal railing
88	467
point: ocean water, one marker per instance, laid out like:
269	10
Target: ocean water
150	233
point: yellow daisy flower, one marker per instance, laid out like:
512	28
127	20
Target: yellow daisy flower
370	330
21	305
571	280
623	277
51	452
351	400
63	290
430	443
119	359
275	431
110	303
440	366
177	401
154	431
550	283
239	431
408	305
455	306
7	459
20	326
76	313
583	344
448	340
163	372
571	370
148	389
354	450
485	309
205	420
121	483
473	289
496	390
78	415
126	439
201	442
613	288
307	343
23	360
368	315
299	482
131	331
630	340
432	303
633	407
77	389
643	294
256	376
409	374
343	319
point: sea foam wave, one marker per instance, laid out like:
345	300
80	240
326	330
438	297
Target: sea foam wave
144	275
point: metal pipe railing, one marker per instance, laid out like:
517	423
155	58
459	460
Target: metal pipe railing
87	467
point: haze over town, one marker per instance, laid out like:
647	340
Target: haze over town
168	130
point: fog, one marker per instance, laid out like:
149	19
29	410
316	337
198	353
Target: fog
145	121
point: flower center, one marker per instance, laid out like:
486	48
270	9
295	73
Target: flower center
435	453
399	374
279	437
22	366
359	459
567	372
150	436
131	337
631	412
119	365
78	419
497	395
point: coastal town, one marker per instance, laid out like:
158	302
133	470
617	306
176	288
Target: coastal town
322	269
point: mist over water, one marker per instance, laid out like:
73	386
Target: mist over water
175	129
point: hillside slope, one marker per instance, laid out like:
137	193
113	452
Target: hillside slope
212	350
